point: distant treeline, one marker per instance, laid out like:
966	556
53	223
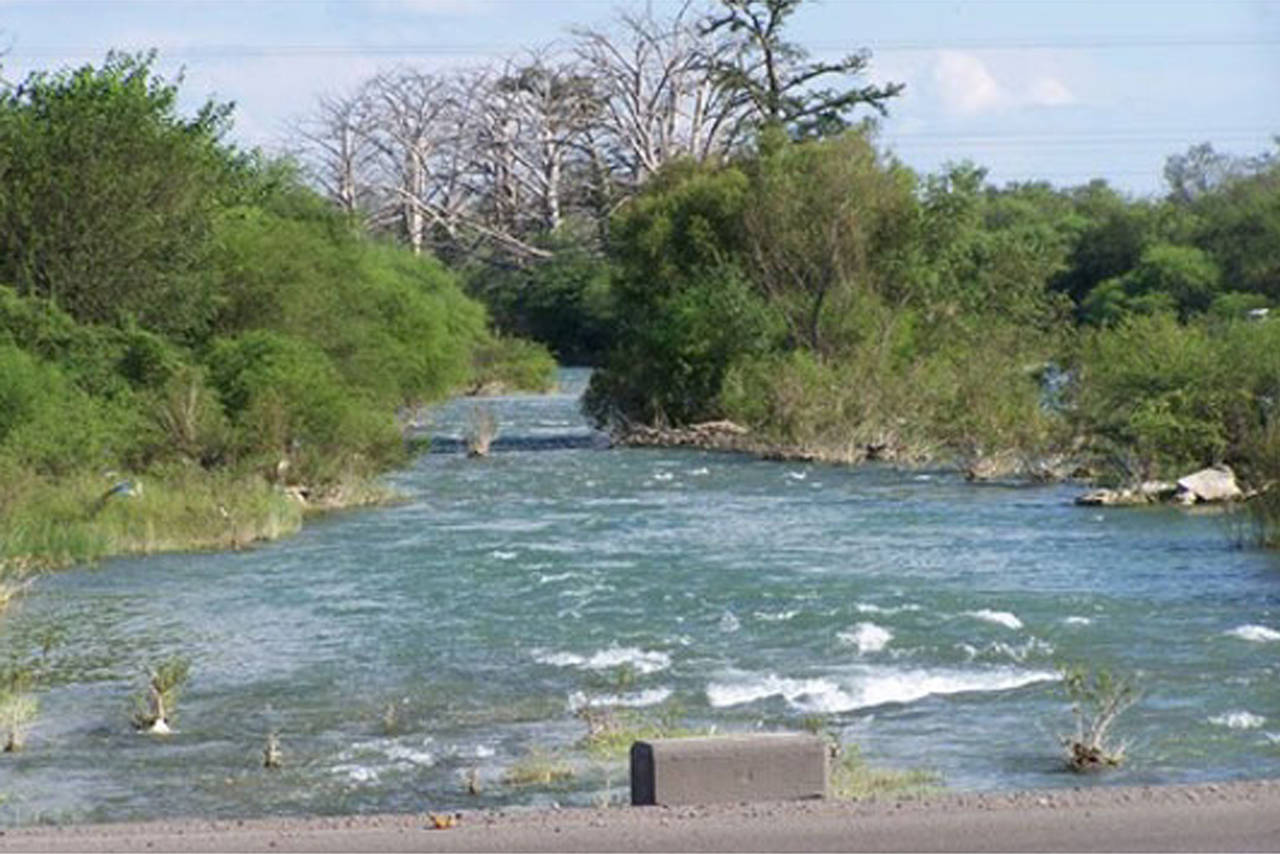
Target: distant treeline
691	205
171	306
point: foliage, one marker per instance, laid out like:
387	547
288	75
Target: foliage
503	364
108	194
1157	396
174	308
563	302
820	222
1166	278
1097	698
771	73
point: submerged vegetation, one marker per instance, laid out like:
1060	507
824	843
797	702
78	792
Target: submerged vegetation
155	707
1098	698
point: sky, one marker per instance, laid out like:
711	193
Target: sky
1057	90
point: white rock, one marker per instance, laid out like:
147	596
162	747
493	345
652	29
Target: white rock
1216	483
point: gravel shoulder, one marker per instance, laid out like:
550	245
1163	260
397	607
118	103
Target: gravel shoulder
1241	816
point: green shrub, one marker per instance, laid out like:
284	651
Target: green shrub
512	363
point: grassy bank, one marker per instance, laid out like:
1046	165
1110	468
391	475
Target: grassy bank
79	519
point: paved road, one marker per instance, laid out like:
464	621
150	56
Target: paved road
1230	817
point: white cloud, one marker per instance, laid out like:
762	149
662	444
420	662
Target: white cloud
965	84
1049	92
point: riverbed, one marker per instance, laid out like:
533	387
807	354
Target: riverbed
405	654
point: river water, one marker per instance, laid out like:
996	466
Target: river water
399	651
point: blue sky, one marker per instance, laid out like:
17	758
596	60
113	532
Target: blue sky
1053	89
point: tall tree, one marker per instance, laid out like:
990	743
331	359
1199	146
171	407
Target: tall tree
775	76
106	193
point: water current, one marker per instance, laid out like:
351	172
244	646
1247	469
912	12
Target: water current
400	651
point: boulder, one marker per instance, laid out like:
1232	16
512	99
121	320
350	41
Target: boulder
1216	483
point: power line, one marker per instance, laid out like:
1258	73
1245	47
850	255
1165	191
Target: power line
230	51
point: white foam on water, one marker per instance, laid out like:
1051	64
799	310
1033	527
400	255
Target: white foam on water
1003	618
636	699
775	616
729	622
663	476
404	753
700	472
484	751
501	555
547	578
870	688
1255	633
1077	621
643	660
1238	720
797	475
1020	652
923	477
1272	737
357	773
867	637
869	608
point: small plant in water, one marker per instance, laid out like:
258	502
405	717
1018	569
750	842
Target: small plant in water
155	705
271	754
1097	699
18	705
482	429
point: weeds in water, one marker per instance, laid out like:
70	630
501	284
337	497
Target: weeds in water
482	429
155	706
537	768
390	719
18	705
272	756
1098	698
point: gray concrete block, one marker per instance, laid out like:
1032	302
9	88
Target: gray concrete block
730	768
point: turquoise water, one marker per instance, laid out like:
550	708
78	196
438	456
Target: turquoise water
921	616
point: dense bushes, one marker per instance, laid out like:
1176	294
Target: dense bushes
824	295
174	308
818	295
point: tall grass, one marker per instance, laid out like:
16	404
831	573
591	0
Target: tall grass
75	520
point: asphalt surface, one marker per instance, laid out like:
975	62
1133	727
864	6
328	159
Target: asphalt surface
1243	816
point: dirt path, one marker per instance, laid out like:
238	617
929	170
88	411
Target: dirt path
1225	817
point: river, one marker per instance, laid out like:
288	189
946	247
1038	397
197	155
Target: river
400	651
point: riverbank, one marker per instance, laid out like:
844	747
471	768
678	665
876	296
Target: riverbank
1240	816
82	519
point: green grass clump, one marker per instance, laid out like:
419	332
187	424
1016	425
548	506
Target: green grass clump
611	732
537	768
852	779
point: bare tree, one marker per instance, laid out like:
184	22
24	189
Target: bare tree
340	150
551	104
660	98
407	132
